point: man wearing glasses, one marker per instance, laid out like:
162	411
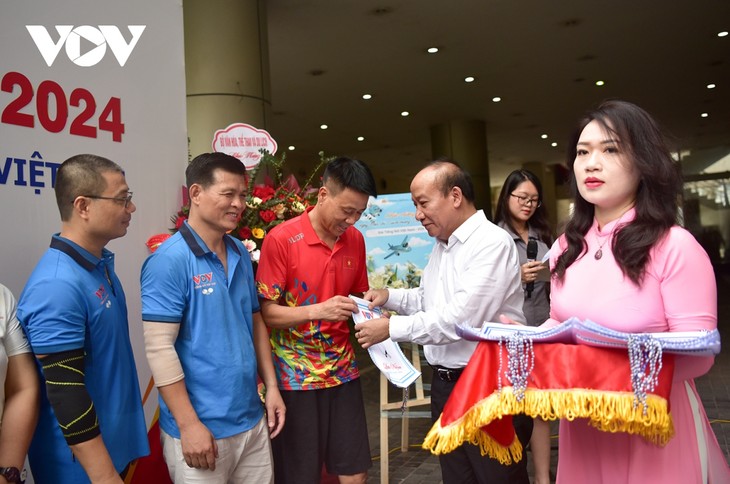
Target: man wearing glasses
73	310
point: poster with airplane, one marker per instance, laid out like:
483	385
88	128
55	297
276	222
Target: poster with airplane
397	245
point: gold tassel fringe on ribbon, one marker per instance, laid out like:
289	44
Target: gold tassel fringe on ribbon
607	411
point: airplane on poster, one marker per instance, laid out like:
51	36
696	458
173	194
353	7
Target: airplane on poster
398	249
372	212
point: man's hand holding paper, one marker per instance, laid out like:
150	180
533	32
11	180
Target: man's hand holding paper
373	331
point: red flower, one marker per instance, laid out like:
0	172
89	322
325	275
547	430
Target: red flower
263	192
156	240
267	216
244	233
179	221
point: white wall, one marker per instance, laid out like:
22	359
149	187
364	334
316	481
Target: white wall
150	87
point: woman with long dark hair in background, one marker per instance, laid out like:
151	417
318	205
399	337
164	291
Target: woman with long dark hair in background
521	212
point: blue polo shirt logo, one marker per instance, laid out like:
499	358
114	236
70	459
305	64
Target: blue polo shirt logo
103	296
101	292
204	282
202	279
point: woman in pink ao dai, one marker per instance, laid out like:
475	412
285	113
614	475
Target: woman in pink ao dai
625	264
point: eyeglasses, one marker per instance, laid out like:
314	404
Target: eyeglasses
527	201
125	200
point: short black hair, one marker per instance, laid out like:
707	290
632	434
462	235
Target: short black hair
200	170
81	175
344	172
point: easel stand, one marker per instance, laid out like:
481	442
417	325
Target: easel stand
393	410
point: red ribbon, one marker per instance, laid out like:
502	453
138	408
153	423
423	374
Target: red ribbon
559	370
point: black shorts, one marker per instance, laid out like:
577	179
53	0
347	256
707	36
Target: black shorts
322	426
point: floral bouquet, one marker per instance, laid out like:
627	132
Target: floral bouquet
271	198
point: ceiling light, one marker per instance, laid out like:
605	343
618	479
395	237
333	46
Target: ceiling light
553	144
404	113
469	79
704	115
722	34
600	83
367	96
543	136
496	99
432	50
710	86
324	126
361	138
292	148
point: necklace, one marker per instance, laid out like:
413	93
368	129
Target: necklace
599	253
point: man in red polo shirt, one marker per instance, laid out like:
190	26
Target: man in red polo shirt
308	266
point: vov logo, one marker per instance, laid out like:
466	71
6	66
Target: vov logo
96	38
203	278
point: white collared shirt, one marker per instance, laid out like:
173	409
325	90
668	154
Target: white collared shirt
472	279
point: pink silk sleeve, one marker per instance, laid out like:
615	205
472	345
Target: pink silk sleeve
687	282
689	292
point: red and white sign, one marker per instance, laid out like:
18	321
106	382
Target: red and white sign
244	142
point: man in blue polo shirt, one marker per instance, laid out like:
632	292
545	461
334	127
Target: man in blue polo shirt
74	313
206	340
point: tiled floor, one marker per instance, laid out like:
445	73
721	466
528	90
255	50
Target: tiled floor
418	466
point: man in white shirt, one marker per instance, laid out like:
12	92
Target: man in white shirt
472	276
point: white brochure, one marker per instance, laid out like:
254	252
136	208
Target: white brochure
387	355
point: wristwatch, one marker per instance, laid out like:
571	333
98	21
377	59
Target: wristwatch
13	474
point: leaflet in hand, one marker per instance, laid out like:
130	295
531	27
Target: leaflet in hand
386	355
587	332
